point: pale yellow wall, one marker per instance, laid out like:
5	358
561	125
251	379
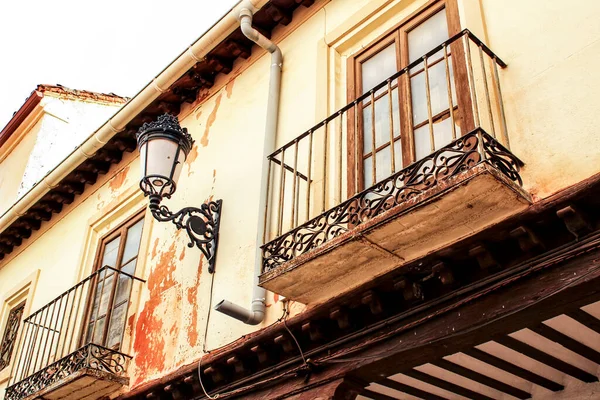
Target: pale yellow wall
550	89
551	86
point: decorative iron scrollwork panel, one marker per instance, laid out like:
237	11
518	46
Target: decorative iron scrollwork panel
89	356
501	158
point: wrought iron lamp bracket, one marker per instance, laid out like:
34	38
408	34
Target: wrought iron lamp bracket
201	225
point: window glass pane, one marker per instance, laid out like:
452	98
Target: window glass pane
129	268
99	331
422	142
438	90
96	301
111	251
384	166
382	122
379	67
368	172
105	294
88	337
442	135
398	155
427	35
395	112
367	136
123	289
418	98
132	244
117	324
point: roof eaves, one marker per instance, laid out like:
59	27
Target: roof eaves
65	92
19	116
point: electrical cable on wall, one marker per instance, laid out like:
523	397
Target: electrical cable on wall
204	349
283	318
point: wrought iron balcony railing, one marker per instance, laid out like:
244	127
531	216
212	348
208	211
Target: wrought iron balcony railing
67	335
347	169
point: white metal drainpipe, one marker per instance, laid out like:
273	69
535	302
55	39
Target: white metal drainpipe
256	314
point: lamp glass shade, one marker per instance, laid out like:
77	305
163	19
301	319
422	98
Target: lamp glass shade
163	147
162	161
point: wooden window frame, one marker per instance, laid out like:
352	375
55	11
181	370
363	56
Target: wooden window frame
120	231
359	59
399	35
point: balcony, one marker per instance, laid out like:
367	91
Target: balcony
334	224
66	351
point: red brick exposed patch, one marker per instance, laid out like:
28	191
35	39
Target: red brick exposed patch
211	120
182	254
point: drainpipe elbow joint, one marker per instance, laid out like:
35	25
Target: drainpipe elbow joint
244	13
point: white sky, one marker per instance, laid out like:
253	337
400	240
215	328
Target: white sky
105	46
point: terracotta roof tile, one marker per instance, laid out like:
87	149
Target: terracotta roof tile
64	91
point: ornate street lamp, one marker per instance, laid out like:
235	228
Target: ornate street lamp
163	147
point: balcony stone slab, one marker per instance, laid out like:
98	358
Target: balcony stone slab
86	384
91	372
455	208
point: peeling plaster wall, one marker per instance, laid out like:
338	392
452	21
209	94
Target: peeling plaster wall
550	89
224	164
